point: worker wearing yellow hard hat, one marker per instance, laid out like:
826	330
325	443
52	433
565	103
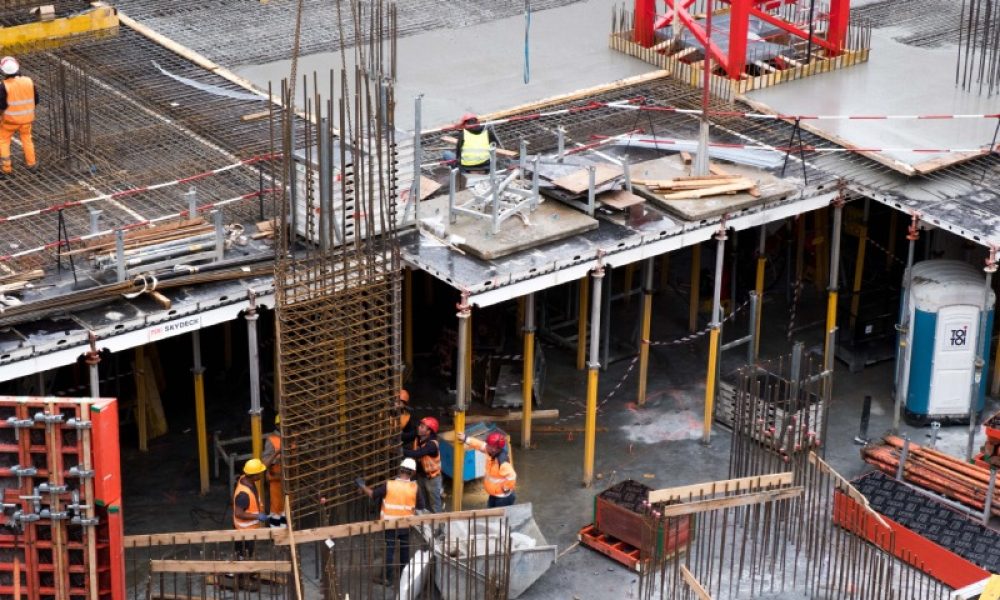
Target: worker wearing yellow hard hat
272	460
248	511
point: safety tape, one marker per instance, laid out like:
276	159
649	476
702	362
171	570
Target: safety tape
130	226
138	190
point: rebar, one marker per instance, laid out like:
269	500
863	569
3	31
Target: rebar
978	61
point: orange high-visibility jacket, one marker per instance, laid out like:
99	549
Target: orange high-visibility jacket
243	486
275	469
400	499
500	479
430	464
20	100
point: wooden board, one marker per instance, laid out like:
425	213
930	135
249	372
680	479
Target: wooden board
428	187
620	199
551	221
771	189
578	182
219	566
743	185
742	484
552	413
690	508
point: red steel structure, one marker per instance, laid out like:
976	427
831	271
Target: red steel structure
61	530
734	61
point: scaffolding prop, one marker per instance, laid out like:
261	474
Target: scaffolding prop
496	200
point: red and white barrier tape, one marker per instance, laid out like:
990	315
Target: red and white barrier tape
134	191
805	148
130	226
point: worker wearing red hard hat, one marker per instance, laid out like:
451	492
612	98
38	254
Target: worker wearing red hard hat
472	150
18	98
425	451
500	480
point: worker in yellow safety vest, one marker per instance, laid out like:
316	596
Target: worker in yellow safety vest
500	480
398	498
18	98
272	460
472	150
248	510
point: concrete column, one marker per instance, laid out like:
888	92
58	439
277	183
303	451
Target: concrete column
529	369
593	368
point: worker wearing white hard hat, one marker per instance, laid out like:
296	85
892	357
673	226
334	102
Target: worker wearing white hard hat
399	498
18	99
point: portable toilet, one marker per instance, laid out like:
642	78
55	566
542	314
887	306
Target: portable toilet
945	300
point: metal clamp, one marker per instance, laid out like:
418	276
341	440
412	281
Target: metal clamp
20	471
20	423
54	516
23	517
48	419
48	488
85	522
79	424
80	473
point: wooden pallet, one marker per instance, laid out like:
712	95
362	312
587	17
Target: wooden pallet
613	548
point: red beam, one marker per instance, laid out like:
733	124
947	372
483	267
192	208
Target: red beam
739	27
668	18
699	33
792	29
840	15
645	13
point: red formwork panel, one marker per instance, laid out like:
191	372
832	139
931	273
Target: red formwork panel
43	471
116	553
906	545
106	451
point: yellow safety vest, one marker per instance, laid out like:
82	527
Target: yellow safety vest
475	148
20	100
400	499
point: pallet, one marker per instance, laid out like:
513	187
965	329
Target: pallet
613	548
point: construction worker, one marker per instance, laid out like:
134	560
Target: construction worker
248	510
500	480
398	498
18	98
425	451
407	428
272	460
472	150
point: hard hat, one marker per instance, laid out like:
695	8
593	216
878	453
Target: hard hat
430	423
9	65
277	419
468	117
496	439
404	396
409	464
254	467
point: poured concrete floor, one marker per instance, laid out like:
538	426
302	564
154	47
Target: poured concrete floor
897	80
480	68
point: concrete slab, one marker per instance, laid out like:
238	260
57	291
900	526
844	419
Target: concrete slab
897	80
480	68
770	188
549	222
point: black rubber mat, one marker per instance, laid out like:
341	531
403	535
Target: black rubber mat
938	522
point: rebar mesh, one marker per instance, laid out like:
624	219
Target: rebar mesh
337	327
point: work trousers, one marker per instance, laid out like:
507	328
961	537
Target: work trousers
276	491
393	538
7	131
498	501
432	491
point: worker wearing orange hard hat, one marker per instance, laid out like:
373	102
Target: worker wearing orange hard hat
18	98
407	428
426	452
472	150
272	460
500	480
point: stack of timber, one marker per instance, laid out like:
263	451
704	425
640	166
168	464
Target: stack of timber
140	238
936	471
12	281
688	187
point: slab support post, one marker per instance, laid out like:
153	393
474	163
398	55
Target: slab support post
527	385
715	325
462	389
647	324
593	369
903	326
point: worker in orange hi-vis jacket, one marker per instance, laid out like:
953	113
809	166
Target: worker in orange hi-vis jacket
18	99
272	460
501	480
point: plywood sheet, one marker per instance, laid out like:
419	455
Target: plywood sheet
579	181
620	199
770	188
551	221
